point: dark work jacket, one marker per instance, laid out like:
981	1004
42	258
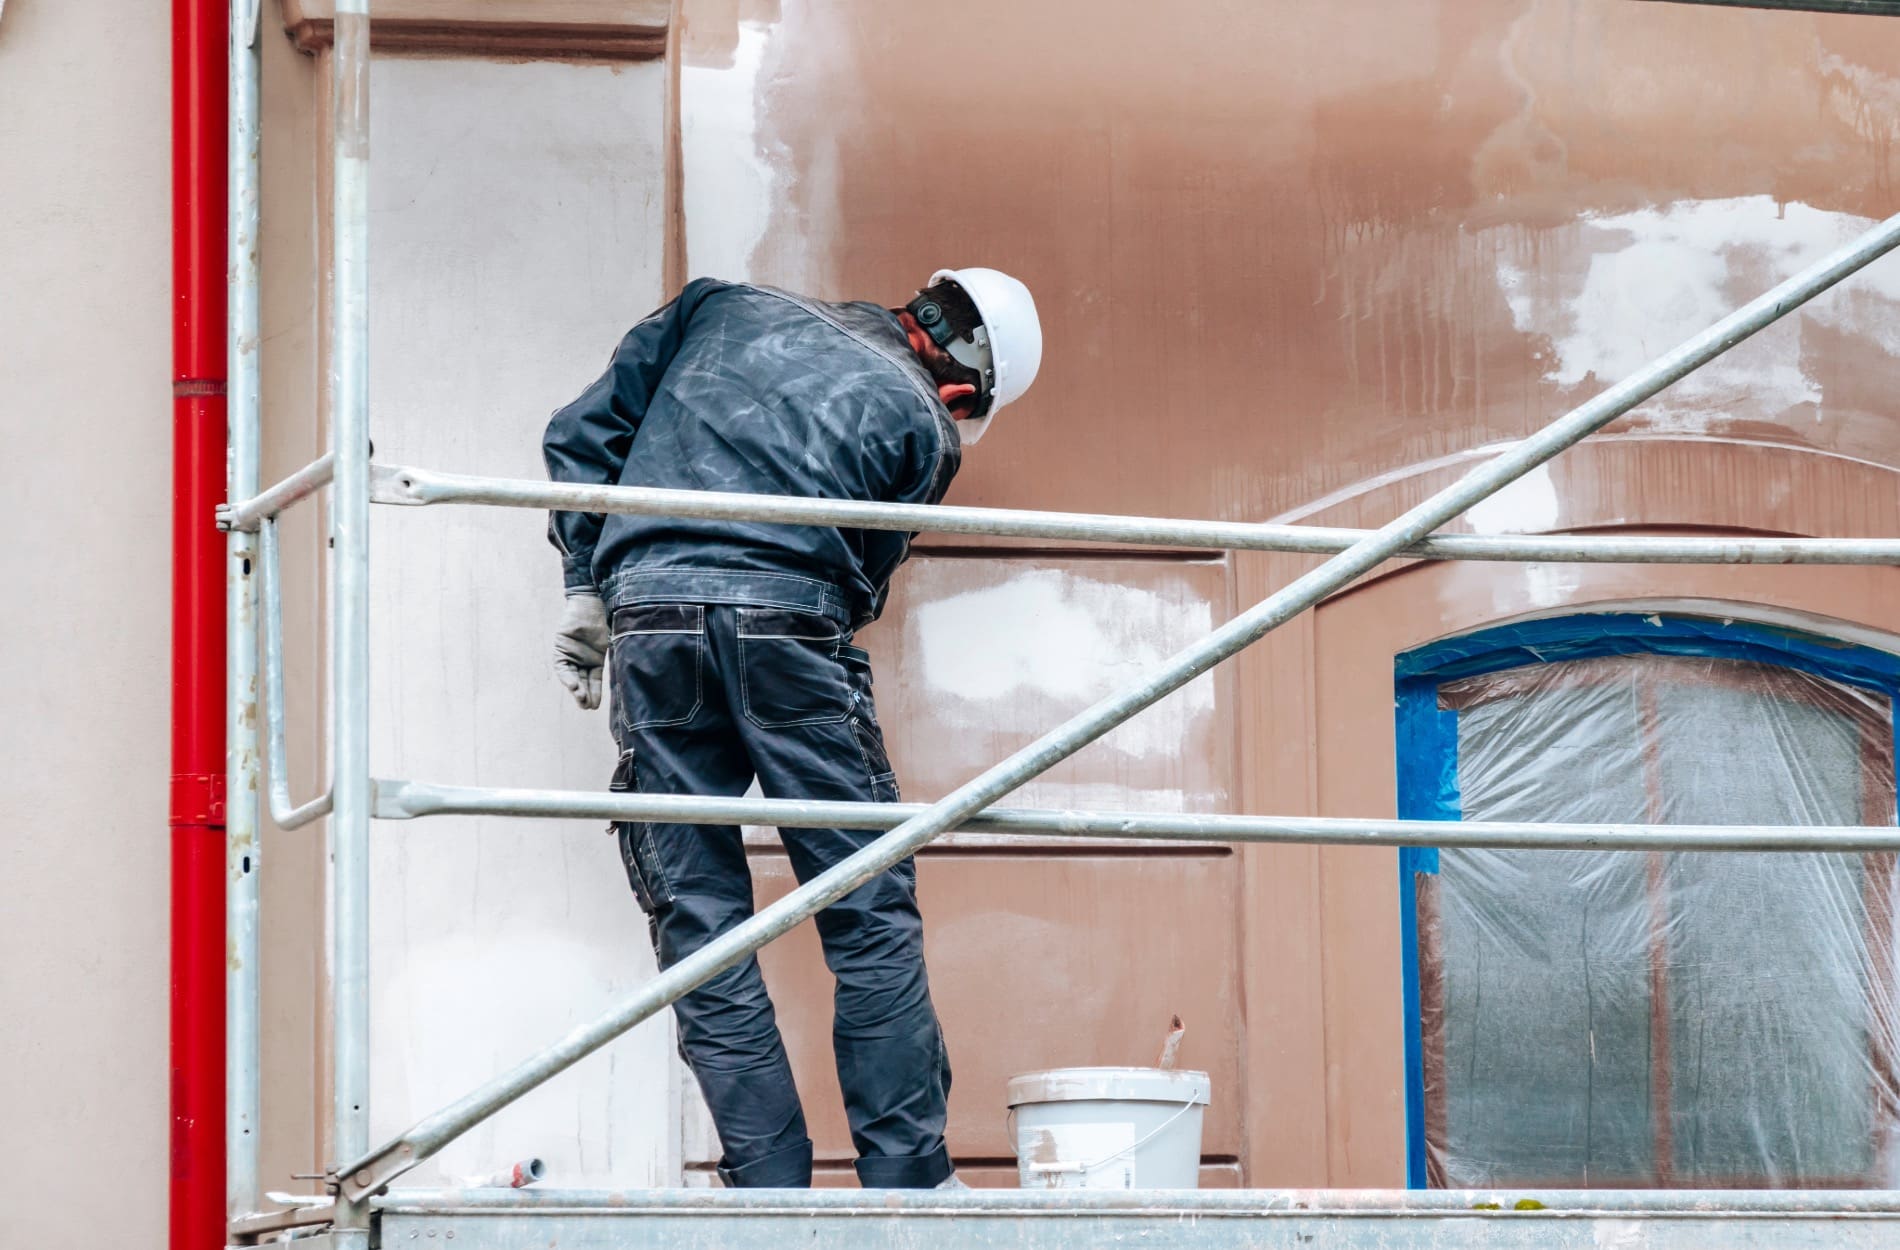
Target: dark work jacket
745	388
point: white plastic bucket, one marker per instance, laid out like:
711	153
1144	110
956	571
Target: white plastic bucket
1108	1128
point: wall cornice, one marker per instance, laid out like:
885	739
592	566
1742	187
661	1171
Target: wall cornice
592	30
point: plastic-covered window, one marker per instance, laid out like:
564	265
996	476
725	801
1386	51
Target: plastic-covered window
1655	1019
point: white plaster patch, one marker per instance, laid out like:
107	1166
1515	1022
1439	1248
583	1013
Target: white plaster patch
1527	506
468	1005
1066	794
1647	280
739	185
1068	638
1550	585
729	187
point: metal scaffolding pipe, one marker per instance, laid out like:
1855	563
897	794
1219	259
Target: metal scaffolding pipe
241	854
259	506
404	800
395	484
349	602
284	813
372	1171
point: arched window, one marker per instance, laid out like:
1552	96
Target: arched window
1641	1019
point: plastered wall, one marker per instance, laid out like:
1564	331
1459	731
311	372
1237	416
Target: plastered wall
1308	262
516	234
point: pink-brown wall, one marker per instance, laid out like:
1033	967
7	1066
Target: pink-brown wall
1299	261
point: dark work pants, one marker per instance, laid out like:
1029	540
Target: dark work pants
705	698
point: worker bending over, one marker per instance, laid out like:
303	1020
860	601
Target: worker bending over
729	645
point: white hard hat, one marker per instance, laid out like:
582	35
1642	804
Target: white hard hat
1011	339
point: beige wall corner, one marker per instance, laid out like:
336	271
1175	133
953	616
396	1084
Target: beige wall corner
85	264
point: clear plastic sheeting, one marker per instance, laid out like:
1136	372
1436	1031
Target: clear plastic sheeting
1636	1019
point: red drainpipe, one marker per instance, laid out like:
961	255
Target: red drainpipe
199	109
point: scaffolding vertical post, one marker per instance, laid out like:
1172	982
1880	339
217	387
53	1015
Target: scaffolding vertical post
349	600
242	861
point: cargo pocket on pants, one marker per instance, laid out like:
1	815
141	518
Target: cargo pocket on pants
657	665
637	851
789	672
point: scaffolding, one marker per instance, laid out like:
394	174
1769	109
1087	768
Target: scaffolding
361	1209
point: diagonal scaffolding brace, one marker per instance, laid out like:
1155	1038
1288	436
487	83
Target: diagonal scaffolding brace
365	1175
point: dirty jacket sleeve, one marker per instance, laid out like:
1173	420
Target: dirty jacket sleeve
587	441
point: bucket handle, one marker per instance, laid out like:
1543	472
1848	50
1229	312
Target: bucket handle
1076	1166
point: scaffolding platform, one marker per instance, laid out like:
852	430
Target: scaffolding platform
694	1219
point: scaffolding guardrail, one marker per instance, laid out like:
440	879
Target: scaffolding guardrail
407	800
354	797
396	484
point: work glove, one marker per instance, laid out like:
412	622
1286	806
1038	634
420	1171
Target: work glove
580	647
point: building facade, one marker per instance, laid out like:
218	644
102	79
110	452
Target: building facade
1297	263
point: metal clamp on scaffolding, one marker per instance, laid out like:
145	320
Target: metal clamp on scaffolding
354	798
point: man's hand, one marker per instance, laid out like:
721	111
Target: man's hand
580	647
